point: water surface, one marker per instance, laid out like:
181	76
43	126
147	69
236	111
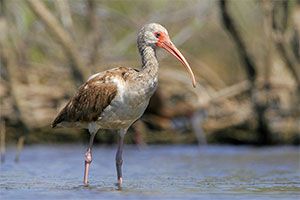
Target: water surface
154	172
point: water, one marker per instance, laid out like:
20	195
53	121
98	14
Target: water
154	172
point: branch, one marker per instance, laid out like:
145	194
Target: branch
259	107
279	33
62	36
231	28
8	66
267	25
296	39
95	31
65	15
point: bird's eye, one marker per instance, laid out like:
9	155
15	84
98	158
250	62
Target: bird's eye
157	35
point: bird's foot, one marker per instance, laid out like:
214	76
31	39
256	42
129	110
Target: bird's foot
85	184
119	183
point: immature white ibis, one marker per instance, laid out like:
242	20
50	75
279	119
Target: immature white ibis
116	98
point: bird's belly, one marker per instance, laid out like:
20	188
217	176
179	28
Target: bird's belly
122	113
128	105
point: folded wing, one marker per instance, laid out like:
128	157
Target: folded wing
88	103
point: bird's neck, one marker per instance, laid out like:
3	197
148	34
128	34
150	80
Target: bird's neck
149	62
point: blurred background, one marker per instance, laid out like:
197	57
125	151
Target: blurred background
245	55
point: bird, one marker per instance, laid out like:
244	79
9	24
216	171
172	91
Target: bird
114	99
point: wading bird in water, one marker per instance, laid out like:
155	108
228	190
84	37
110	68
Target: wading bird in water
116	98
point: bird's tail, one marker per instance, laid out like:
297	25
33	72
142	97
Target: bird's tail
60	118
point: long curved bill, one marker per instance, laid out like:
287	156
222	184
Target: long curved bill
171	48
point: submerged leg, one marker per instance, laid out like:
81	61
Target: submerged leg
119	159
88	159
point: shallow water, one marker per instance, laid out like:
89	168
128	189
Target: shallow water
154	172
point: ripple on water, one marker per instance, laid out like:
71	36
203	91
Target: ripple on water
156	172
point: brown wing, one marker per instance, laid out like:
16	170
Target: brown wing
89	102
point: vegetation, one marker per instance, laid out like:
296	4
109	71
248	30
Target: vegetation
245	55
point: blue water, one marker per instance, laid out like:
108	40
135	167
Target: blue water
153	172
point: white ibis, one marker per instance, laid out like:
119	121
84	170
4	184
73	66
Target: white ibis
116	98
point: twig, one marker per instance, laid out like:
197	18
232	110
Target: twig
279	31
241	47
259	107
62	36
65	15
9	65
2	141
95	31
20	146
267	23
296	23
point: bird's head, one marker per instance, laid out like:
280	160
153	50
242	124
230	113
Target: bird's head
155	35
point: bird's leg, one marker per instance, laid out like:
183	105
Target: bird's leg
119	159
88	159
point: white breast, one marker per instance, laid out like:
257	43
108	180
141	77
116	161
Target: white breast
129	104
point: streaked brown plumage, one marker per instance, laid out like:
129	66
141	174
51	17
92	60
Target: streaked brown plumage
116	98
91	99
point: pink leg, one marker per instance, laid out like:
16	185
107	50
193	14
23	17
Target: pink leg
119	159
87	163
88	160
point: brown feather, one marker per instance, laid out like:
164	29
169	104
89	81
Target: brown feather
89	102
